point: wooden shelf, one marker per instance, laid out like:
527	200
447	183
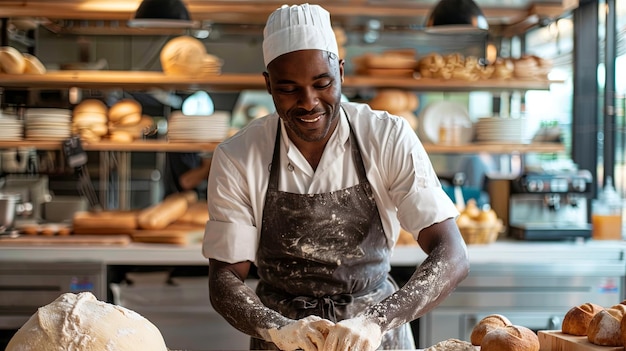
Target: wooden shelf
137	146
236	82
166	146
493	148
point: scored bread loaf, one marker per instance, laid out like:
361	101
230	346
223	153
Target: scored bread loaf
577	319
168	211
487	324
604	328
510	338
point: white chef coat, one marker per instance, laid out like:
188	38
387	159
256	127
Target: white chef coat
405	186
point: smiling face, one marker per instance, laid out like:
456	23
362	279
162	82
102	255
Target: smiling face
306	88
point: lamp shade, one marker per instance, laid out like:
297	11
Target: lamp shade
456	16
161	14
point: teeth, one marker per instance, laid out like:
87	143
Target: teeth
311	120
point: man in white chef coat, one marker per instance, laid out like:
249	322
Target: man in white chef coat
314	196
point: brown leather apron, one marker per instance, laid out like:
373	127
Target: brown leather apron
324	254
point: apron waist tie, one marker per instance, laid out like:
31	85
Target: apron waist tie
325	304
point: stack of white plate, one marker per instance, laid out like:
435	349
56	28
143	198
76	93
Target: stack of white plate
11	127
500	130
48	124
211	128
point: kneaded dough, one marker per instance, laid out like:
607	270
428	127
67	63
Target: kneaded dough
80	322
453	345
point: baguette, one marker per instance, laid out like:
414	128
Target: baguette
168	211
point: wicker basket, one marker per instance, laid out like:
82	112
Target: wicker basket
481	233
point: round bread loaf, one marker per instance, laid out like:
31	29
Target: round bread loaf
182	55
487	324
577	319
126	111
81	322
392	100
11	60
90	106
88	119
33	65
510	338
604	328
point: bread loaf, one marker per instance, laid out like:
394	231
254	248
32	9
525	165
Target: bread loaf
90	106
11	60
510	338
166	212
487	324
183	55
605	327
122	137
577	319
125	112
196	214
33	65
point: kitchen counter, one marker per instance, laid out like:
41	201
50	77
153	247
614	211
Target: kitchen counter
521	253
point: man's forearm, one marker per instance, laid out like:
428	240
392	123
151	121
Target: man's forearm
241	307
433	281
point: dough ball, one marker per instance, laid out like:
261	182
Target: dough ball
80	322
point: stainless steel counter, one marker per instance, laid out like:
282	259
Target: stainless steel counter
560	255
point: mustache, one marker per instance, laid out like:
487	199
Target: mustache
300	112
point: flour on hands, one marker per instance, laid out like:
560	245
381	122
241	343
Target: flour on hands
355	334
307	334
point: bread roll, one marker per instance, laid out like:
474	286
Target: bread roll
125	109
90	106
81	322
577	319
510	338
487	324
164	213
33	65
605	327
11	60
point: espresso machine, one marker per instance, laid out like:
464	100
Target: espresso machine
544	206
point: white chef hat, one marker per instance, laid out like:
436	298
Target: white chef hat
297	27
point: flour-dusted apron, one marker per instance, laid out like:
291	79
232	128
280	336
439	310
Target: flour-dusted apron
324	254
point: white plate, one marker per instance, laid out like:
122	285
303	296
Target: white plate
435	113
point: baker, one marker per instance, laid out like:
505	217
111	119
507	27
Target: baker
314	195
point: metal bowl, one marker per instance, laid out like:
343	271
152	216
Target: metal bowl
8	205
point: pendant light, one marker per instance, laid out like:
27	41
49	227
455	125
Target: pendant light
161	14
456	17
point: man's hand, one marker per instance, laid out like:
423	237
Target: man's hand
355	334
307	334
